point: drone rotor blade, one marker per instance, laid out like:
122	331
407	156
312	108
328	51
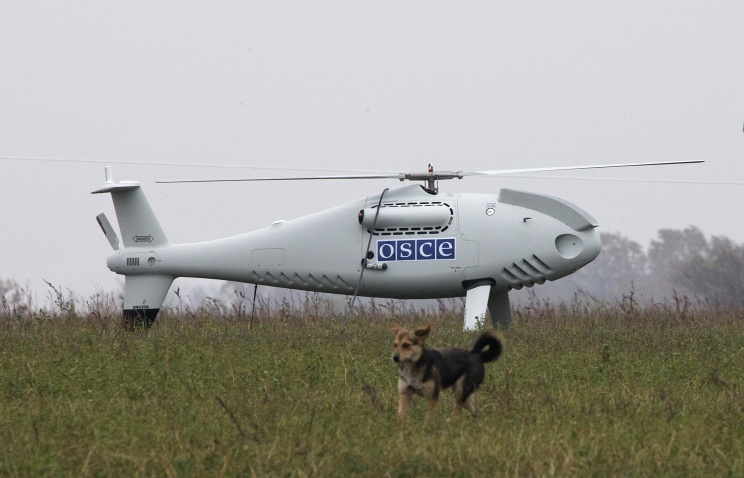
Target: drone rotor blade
430	176
298	178
496	172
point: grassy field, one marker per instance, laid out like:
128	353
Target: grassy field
579	391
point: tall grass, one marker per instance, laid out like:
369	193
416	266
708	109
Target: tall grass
581	390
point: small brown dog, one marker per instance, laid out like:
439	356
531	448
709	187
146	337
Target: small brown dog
426	371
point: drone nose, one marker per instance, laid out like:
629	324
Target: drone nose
570	251
576	251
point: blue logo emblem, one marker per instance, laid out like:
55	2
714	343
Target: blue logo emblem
416	249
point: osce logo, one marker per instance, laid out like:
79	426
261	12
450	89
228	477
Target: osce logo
416	249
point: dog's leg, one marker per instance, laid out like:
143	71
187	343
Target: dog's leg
458	391
404	398
430	410
431	392
464	398
470	404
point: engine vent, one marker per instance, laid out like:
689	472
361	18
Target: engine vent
527	272
132	261
408	218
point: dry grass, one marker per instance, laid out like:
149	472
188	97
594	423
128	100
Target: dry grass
581	390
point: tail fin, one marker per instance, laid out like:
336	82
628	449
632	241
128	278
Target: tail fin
493	341
137	221
143	297
143	293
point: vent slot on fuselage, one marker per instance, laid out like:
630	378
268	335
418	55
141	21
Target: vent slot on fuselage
413	218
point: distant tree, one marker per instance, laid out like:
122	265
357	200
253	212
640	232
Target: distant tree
669	253
715	273
621	265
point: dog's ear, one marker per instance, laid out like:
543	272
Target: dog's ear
397	328
423	332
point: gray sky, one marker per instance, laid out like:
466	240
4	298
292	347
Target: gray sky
356	85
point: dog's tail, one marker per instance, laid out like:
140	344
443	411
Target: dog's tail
495	344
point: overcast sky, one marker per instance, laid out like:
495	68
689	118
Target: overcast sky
357	85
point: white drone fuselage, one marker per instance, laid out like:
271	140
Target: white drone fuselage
408	244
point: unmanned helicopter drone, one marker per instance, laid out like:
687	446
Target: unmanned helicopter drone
411	242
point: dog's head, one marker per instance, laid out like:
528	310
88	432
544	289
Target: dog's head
409	345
